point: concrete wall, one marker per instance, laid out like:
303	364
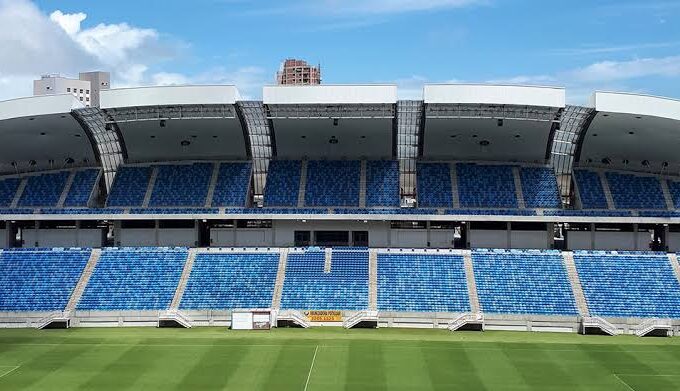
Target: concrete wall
62	237
485	238
136	237
529	239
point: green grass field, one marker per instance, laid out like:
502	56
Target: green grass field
332	359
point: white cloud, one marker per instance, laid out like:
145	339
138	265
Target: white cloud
248	80
69	22
625	70
526	80
391	6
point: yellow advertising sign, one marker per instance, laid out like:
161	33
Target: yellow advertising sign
324	316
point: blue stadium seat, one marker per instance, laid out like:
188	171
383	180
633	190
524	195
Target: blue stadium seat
81	188
39	279
422	283
231	188
231	280
491	212
307	287
523	282
486	186
129	186
44	189
628	284
635	192
674	190
134	279
382	184
539	187
283	183
8	190
590	189
434	185
332	183
181	185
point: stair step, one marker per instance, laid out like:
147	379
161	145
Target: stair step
607	191
303	184
362	185
213	183
67	189
373	279
19	193
184	279
519	191
454	185
471	283
84	279
150	186
575	282
280	278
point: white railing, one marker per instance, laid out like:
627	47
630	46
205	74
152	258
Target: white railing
650	325
295	317
596	321
56	315
464	319
361	316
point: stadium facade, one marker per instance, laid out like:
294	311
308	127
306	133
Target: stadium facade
349	167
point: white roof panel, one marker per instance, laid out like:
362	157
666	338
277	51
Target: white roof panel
35	106
495	95
643	105
169	96
330	94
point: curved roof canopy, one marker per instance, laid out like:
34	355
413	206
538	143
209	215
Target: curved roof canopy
634	133
177	122
332	121
490	122
39	133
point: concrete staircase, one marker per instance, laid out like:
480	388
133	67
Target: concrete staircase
303	184
67	188
454	185
213	183
182	285
471	283
84	279
607	191
19	193
150	186
575	281
328	260
373	279
280	277
362	185
666	194
673	259
519	191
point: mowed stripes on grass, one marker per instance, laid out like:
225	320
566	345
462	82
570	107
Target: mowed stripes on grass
332	359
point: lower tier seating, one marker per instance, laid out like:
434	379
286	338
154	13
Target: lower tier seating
422	283
523	282
231	280
628	284
41	279
307	286
134	279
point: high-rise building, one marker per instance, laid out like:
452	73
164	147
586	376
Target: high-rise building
86	88
298	72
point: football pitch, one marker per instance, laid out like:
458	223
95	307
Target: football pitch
332	359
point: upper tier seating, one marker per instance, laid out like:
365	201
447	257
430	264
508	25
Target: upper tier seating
635	192
181	184
225	281
332	183
674	190
8	190
129	186
382	183
539	187
283	183
523	282
590	189
628	284
307	287
486	186
39	280
434	185
231	188
44	189
422	283
134	279
81	188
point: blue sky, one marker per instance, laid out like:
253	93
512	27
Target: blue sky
582	45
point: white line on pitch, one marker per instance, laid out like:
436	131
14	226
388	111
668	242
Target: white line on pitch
10	371
624	383
311	367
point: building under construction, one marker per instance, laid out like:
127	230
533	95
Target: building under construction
298	72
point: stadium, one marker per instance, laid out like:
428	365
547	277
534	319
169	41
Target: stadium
375	238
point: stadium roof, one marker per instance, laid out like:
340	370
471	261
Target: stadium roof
632	132
177	122
40	133
490	122
332	121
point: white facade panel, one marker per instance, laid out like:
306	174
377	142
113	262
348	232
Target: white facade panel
407	238
330	94
137	237
442	238
495	94
484	238
169	95
529	239
254	237
606	240
39	105
580	240
643	105
177	237
222	237
673	241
